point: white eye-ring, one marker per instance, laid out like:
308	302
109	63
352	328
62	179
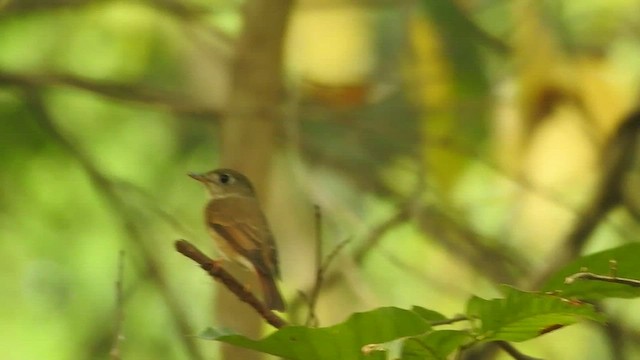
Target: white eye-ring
225	178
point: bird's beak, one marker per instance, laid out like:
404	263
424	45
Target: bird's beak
199	177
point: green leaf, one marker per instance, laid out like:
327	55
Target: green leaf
626	257
436	345
524	315
343	341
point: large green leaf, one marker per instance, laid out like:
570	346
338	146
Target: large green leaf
626	257
524	315
436	345
343	341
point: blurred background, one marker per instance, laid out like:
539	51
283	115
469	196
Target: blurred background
456	144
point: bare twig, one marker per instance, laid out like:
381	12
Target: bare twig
515	353
315	292
312	319
495	260
216	271
333	254
321	269
372	238
115	352
359	255
583	275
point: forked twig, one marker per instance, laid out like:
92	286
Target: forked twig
315	291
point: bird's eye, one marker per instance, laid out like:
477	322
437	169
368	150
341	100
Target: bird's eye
225	178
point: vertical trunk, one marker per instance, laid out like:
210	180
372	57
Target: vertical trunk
248	132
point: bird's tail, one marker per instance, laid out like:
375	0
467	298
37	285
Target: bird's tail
272	296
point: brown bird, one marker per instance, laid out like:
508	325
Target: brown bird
240	229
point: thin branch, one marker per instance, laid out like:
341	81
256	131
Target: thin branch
315	291
321	269
377	233
447	144
583	275
312	319
450	321
491	41
216	271
359	255
515	353
618	157
175	103
16	7
120	208
177	9
333	254
497	262
617	337
115	352
149	203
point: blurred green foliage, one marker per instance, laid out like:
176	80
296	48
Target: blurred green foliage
106	105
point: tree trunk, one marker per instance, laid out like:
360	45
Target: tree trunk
248	132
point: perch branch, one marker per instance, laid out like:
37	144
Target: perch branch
216	271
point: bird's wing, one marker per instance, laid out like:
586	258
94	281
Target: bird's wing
245	230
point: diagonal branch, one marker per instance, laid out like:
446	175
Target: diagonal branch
216	271
618	157
359	255
497	262
119	206
136	93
